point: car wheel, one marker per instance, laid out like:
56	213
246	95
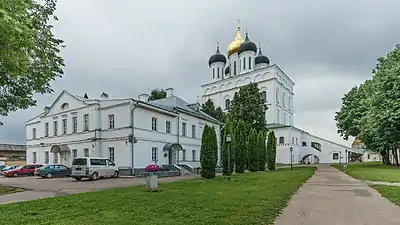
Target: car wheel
78	178
116	174
95	176
15	174
49	175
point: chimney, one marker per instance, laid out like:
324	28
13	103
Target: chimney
86	96
144	97
104	95
170	92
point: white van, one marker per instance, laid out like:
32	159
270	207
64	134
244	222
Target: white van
93	168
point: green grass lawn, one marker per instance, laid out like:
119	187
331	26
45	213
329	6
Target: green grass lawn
250	198
372	171
389	192
7	190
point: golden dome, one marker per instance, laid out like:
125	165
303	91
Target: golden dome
235	44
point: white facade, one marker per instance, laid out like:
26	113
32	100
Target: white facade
105	127
277	89
369	156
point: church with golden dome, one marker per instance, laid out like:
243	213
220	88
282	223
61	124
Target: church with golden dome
244	63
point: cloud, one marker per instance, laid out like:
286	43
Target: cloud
130	47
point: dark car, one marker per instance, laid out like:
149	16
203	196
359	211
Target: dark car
7	168
51	171
27	170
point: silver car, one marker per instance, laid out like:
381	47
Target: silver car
93	168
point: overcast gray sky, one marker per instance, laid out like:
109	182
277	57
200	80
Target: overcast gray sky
128	47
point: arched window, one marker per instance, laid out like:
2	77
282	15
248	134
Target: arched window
290	120
218	72
283	99
244	63
292	140
250	62
213	73
277	95
264	96
227	103
281	140
234	68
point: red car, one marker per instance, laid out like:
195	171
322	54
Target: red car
27	170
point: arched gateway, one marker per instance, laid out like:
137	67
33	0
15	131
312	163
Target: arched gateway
64	153
172	149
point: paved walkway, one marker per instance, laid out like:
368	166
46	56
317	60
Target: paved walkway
64	187
331	197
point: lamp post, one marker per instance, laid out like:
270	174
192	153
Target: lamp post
345	164
228	142
340	157
291	158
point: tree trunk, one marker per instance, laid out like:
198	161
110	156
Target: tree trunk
395	156
385	157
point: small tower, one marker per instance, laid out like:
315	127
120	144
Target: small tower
247	52
233	56
261	60
217	64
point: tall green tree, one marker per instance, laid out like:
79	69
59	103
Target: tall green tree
247	105
157	94
209	152
216	112
29	53
253	150
271	150
240	147
262	155
228	130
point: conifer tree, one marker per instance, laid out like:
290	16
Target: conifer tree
253	149
262	155
240	147
209	152
271	150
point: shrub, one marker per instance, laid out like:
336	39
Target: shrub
224	158
152	168
240	147
262	155
209	152
253	150
271	150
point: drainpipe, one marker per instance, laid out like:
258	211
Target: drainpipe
177	135
132	120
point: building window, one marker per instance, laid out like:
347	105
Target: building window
284	118
217	72
34	133
74	124
168	127
281	140
184	129
154	151
33	157
283	100
86	122
193	155
368	156
292	140
111	122
227	103
55	157
303	143
290	103
296	141
290	120
86	152
64	124
234	68
183	154
277	95
335	156
111	153
55	131
154	123
263	95
193	131
316	145
250	62
46	157
213	73
277	116
46	129
74	153
244	63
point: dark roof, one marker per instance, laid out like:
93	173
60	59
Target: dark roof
247	45
217	57
260	58
12	147
227	70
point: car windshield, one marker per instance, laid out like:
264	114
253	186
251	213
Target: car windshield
79	162
8	168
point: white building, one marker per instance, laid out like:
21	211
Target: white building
75	126
246	63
